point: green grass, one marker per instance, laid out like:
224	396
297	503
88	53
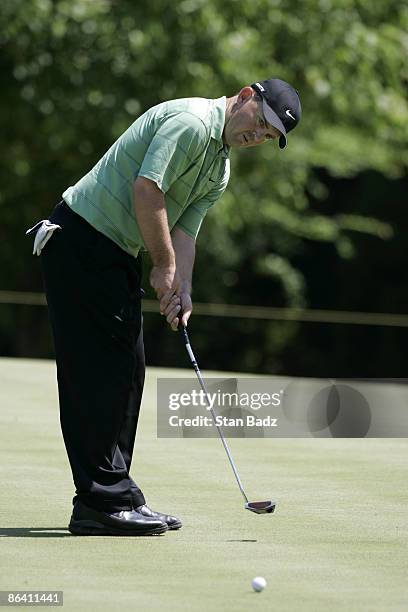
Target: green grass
337	541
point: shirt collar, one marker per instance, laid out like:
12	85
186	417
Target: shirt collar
218	122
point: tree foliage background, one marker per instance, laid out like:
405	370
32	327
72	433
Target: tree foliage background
322	224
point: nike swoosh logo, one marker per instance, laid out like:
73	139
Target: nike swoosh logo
289	113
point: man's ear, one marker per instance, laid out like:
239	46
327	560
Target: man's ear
245	94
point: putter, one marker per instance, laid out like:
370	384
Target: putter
259	507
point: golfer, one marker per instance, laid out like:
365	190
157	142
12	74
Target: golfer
150	191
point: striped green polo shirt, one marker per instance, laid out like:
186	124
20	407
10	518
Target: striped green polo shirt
178	145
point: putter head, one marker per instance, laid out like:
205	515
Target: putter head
262	507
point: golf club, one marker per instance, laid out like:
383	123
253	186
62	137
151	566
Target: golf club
259	507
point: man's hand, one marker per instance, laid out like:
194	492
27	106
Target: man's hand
173	297
178	306
166	282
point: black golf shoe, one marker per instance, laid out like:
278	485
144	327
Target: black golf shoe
86	521
172	521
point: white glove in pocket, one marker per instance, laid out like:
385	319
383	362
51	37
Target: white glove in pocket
45	230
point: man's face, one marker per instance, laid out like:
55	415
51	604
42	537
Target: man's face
246	125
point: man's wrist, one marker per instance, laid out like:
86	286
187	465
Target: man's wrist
164	261
186	287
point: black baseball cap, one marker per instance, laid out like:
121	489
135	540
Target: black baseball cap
281	105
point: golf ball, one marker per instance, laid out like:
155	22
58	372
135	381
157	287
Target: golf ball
258	584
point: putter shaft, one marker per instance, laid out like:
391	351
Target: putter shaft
204	388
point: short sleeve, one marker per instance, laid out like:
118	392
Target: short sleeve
192	218
176	144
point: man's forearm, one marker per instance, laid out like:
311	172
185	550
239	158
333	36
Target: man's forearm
184	248
152	219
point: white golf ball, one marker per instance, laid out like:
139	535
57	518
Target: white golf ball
258	584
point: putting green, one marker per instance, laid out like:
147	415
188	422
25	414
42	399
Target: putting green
338	538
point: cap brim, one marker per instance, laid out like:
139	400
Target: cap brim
274	120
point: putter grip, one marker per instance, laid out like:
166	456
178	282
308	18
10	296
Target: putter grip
183	331
180	325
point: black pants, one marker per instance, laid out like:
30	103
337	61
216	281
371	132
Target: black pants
94	301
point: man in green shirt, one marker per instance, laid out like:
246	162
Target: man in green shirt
150	191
